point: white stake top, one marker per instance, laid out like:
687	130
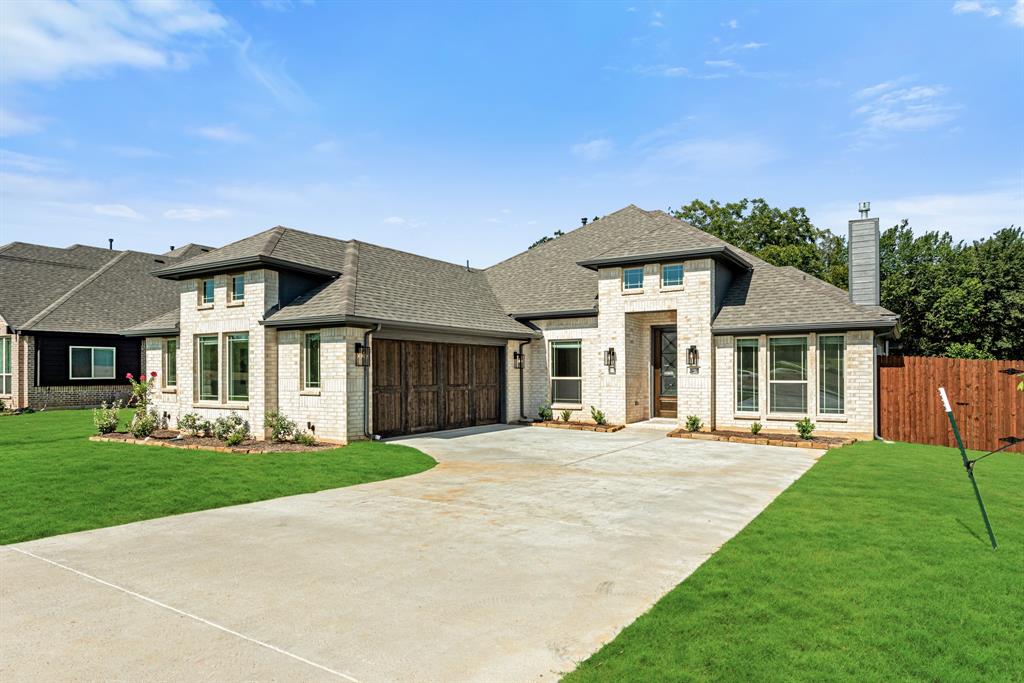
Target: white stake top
945	400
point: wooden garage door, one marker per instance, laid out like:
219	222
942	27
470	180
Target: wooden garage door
429	386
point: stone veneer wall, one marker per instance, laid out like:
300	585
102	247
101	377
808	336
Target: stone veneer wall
859	383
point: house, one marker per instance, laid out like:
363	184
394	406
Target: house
638	314
61	316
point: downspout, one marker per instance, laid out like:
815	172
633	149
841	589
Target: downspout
366	383
522	364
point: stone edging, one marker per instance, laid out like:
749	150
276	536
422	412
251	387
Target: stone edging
758	440
166	443
580	426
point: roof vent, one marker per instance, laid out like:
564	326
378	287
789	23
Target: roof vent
172	247
110	243
584	221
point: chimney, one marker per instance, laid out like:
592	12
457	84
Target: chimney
110	243
865	286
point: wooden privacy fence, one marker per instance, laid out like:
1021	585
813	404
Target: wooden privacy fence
985	401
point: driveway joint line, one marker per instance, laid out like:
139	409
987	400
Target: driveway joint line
617	450
183	613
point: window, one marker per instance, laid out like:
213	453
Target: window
311	360
206	292
633	278
746	376
5	365
566	374
831	380
237	290
238	366
208	368
672	275
787	374
92	362
171	363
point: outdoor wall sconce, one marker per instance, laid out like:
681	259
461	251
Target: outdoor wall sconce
517	360
609	359
692	357
362	355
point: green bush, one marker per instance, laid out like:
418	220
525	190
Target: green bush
305	438
805	427
566	415
144	423
693	423
229	424
545	412
281	428
755	428
598	416
236	437
194	425
106	417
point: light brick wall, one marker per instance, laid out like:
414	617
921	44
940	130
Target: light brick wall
638	361
859	388
537	367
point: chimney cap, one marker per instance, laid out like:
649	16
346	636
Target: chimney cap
864	208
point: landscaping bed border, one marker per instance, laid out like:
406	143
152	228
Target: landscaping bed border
170	443
580	426
787	440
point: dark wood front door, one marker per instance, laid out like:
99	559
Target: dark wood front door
429	386
666	371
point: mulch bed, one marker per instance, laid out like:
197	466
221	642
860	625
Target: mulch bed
169	439
581	426
763	439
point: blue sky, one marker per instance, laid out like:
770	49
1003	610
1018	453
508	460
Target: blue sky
466	131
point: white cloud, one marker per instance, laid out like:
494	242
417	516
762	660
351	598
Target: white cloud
117	211
976	6
661	70
26	162
894	106
753	45
732	23
656	19
593	150
721	63
326	146
52	39
16	124
131	152
257	63
195	214
221	133
1017	13
409	222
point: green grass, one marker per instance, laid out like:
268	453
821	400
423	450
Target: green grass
53	480
874	566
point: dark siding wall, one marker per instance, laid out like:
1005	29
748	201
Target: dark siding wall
53	360
293	285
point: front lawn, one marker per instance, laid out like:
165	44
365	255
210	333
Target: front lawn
53	480
874	566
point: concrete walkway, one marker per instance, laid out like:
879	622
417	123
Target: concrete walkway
518	555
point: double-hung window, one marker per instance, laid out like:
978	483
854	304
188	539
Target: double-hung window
787	374
566	372
672	275
171	363
206	292
632	278
91	362
746	376
5	365
208	368
236	289
238	366
831	370
311	360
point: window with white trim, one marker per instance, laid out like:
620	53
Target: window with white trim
787	375
633	278
5	365
171	363
236	289
566	372
91	362
746	376
831	374
311	360
208	368
206	288
238	366
672	275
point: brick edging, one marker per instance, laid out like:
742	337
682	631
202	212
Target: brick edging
758	440
580	426
189	447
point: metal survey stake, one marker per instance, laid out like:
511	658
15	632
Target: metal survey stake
968	464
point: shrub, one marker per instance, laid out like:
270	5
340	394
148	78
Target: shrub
226	425
598	416
3	406
693	423
305	438
106	417
805	427
566	415
281	428
236	437
755	428
143	423
545	412
194	425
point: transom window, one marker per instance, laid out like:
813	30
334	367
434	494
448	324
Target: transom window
237	290
672	275
787	374
208	368
632	278
5	365
831	375
238	366
746	376
311	360
92	362
566	372
206	291
171	363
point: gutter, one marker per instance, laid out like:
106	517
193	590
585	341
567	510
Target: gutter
722	252
554	315
183	272
880	324
342	319
366	384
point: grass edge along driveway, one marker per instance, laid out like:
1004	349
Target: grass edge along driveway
55	481
874	566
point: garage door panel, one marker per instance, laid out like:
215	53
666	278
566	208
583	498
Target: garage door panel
423	387
487	384
387	387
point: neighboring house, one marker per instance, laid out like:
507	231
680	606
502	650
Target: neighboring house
61	315
638	314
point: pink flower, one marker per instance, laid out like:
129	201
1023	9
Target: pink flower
129	375
153	374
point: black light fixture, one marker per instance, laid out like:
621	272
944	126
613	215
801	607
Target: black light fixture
517	360
362	355
609	359
692	357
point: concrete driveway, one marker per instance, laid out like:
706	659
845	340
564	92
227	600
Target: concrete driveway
518	555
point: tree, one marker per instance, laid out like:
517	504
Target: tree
545	238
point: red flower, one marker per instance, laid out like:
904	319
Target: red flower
129	375
153	374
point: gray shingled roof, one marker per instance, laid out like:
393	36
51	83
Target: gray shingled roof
163	324
187	251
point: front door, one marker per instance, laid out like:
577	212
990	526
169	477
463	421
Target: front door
666	374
